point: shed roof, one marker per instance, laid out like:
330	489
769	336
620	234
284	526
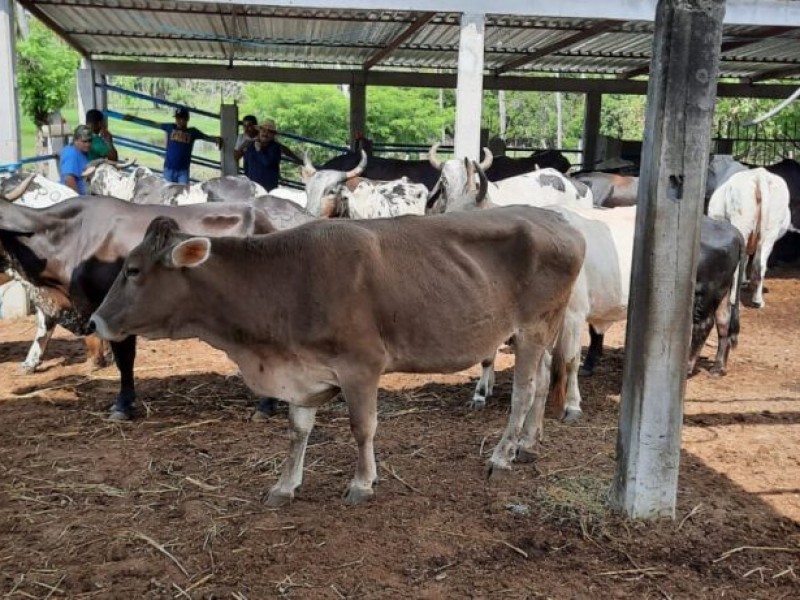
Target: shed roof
761	40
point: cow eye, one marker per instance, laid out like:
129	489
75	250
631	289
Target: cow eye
131	272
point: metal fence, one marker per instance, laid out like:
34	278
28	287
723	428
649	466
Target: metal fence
758	145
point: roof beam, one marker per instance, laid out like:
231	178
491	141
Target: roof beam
775	74
753	38
410	79
571	40
411	30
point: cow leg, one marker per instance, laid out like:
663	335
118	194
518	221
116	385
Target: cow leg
528	357
96	350
485	384
124	357
267	406
700	331
45	326
362	404
760	270
594	353
533	428
301	421
723	316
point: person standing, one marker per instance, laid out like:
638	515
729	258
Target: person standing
180	142
102	145
249	134
74	158
263	156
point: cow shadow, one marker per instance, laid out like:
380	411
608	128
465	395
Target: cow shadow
60	353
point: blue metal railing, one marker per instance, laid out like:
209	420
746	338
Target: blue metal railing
124	92
16	166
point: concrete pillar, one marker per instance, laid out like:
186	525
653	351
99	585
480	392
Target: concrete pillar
591	128
87	98
680	104
358	112
229	131
9	107
469	91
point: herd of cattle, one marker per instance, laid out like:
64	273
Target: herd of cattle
501	251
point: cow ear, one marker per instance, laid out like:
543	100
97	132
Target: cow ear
192	252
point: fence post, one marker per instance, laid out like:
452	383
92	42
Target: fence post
9	123
229	131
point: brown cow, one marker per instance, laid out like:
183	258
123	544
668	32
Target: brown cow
413	294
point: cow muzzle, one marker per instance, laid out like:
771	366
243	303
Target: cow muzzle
99	327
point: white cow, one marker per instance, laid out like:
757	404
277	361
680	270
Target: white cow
33	190
542	187
756	202
345	194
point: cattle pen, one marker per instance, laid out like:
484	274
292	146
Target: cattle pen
173	501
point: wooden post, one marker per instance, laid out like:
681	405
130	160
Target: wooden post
680	104
228	131
591	128
9	123
358	112
469	89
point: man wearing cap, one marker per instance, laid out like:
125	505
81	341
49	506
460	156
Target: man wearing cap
180	142
263	156
74	159
102	141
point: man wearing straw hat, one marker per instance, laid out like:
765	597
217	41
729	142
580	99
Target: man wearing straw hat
262	156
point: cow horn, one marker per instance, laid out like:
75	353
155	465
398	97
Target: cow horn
17	192
484	185
433	159
470	166
359	167
124	164
308	169
488	158
92	167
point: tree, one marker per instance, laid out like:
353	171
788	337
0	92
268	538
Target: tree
46	73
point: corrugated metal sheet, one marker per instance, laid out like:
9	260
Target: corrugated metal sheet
279	36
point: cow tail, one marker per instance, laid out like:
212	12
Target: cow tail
762	199
557	394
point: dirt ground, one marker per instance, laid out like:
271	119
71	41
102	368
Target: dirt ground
169	506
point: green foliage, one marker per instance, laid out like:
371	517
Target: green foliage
46	73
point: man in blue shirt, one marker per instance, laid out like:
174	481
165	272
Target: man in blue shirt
74	159
263	156
180	142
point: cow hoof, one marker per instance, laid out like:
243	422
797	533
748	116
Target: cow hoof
27	368
260	416
583	372
119	415
717	372
572	415
495	472
358	495
278	498
477	403
525	456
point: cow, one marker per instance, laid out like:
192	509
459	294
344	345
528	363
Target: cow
71	252
346	194
601	291
305	335
720	168
610	190
787	248
142	186
421	171
33	190
756	202
538	188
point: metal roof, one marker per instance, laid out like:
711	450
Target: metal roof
290	34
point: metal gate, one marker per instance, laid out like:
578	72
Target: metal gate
758	144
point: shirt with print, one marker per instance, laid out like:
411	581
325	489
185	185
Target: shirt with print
73	162
179	145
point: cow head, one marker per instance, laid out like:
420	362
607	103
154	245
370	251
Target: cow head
456	183
152	284
325	188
